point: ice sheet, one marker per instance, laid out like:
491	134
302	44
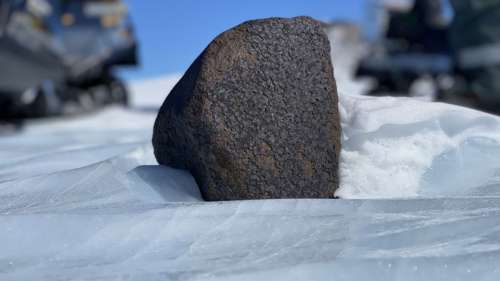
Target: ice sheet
427	239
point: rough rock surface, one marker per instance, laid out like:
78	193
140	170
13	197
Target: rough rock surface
255	116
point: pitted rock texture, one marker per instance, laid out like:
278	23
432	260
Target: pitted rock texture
255	116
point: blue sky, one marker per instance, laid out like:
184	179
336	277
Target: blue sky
173	32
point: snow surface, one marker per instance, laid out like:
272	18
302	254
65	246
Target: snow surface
84	199
401	147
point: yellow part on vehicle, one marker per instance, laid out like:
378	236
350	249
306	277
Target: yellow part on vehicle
109	21
67	19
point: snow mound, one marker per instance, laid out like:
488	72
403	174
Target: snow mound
151	92
401	148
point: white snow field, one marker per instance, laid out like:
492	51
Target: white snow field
84	199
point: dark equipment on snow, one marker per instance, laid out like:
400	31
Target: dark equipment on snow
415	45
475	39
57	56
462	58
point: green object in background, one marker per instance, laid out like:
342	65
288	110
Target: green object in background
475	40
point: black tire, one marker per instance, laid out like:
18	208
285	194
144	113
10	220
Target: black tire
118	92
101	95
39	107
47	102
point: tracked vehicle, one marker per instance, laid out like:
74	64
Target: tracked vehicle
59	56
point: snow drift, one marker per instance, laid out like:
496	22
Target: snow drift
401	148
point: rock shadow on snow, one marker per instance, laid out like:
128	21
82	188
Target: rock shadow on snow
162	184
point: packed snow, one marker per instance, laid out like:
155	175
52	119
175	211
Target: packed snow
403	148
84	199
